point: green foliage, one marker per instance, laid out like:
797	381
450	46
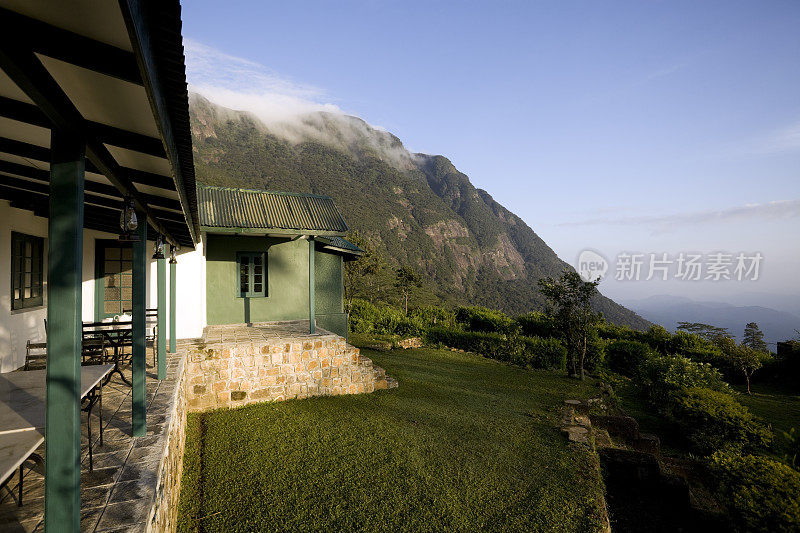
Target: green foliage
761	494
537	324
364	277
487	320
531	352
663	376
706	331
754	338
385	320
711	420
487	344
571	297
406	279
792	456
546	353
626	357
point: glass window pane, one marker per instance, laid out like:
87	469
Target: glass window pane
112	253
127	294
257	259
126	279
28	250
127	266
27	280
113	293
111	280
257	288
127	253
112	308
27	293
111	267
16	294
28	264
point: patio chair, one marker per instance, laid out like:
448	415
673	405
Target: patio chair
35	356
94	350
151	331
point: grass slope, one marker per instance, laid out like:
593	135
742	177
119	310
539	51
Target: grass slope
464	443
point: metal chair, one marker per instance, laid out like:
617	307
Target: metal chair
35	356
151	330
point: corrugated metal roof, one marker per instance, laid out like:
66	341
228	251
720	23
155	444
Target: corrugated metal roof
223	207
342	244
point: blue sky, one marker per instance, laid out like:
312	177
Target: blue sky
620	126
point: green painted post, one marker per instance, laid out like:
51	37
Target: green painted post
138	368
312	319
161	319
62	489
173	340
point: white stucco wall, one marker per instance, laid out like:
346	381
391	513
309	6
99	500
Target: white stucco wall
17	327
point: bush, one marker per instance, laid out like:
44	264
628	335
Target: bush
492	345
432	316
663	376
761	494
595	352
486	320
537	324
658	338
711	420
626	357
368	318
542	353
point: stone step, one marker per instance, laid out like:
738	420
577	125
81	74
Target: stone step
379	372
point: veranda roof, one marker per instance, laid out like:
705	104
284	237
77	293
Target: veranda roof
110	72
224	209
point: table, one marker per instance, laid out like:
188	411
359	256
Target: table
22	403
15	449
117	334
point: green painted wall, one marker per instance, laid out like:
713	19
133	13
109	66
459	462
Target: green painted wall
287	282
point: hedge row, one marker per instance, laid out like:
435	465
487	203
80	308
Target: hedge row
531	352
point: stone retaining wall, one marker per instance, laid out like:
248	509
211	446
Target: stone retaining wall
163	516
236	374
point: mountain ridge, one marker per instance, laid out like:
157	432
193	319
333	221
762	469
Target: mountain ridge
418	209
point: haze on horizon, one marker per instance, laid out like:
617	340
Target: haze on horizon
622	128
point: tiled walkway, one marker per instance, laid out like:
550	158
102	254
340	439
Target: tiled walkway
118	494
260	332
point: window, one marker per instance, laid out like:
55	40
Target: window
27	263
252	274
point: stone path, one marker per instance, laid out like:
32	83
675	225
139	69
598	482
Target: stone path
118	495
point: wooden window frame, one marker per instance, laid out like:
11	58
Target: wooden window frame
18	271
250	293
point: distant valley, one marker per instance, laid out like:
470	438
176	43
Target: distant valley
777	325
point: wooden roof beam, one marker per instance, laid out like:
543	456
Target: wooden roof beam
31	114
40	153
25	69
70	47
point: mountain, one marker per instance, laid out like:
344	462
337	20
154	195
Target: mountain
418	209
669	310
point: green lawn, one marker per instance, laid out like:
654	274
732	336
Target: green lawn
777	406
463	444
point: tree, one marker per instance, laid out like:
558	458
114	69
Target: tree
742	357
406	279
754	338
706	331
570	298
362	277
